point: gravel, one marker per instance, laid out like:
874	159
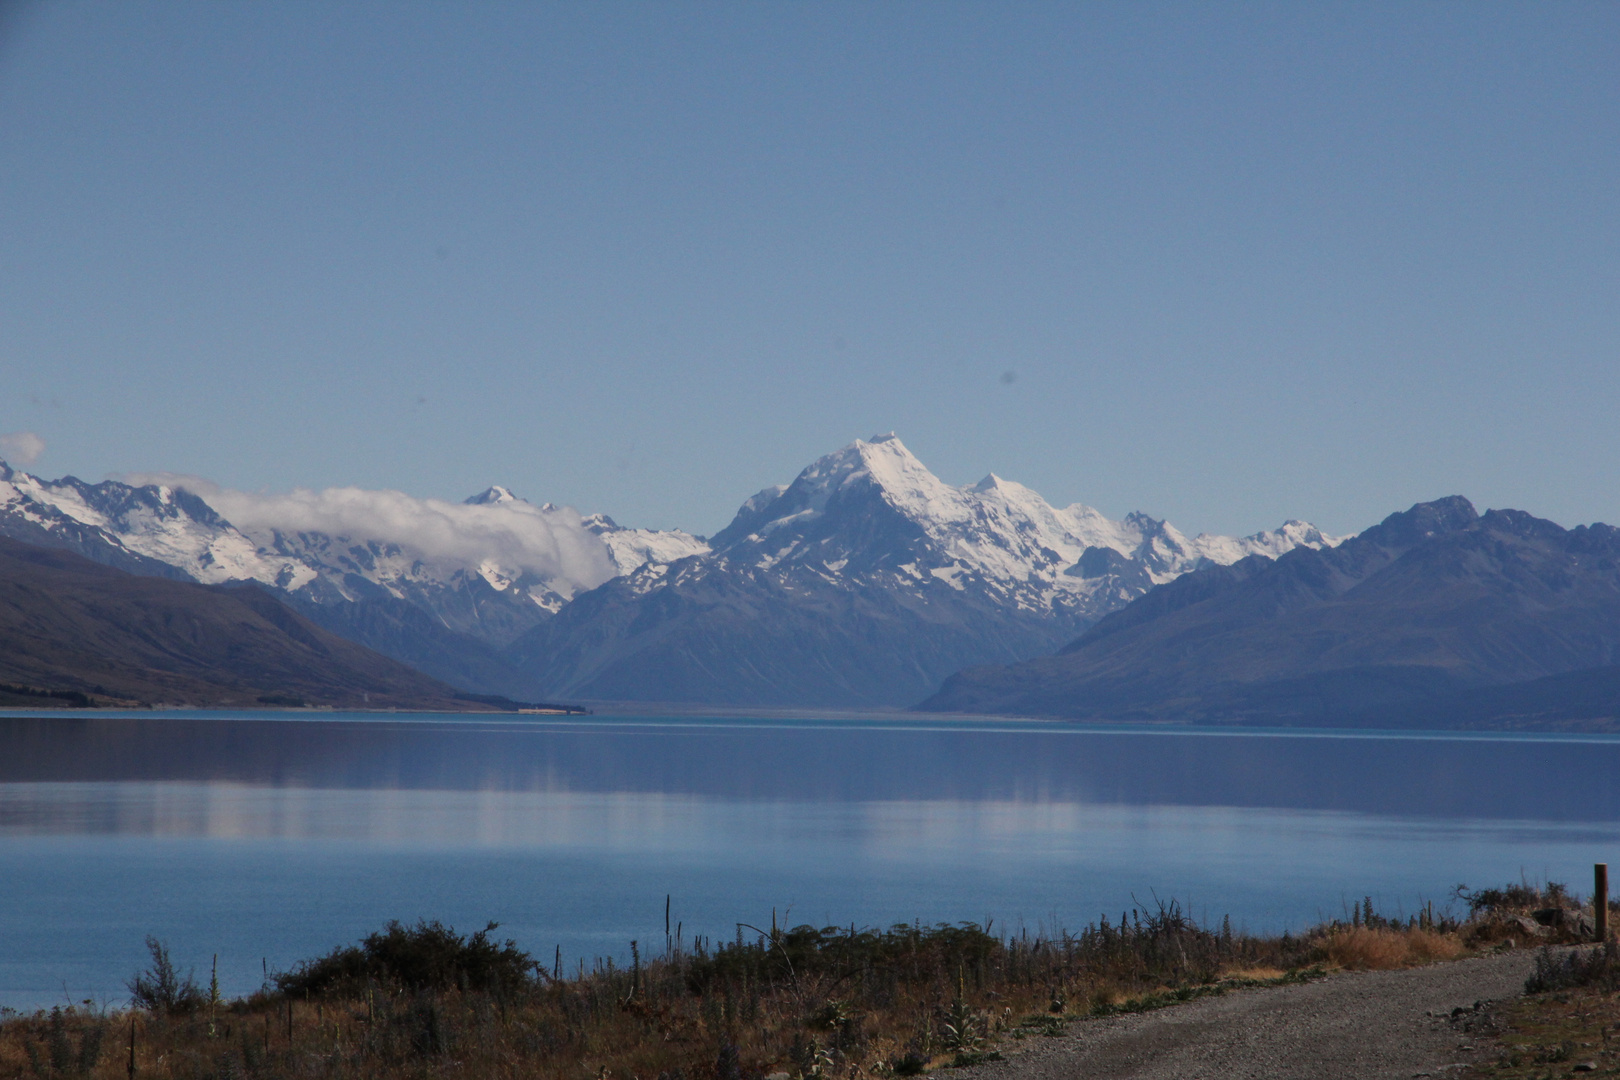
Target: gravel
1355	1026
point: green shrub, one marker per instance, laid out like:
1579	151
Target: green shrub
427	956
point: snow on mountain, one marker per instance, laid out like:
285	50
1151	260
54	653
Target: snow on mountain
866	581
388	536
137	527
343	544
634	548
628	548
996	531
492	496
1271	543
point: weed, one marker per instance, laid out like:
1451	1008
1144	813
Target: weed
728	1064
960	1028
833	1016
160	988
910	1064
967	1058
1043	1024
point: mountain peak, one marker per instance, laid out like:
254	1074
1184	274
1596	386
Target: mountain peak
990	483
880	466
493	495
871	505
882	460
1424	520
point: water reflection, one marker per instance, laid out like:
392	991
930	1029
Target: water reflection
267	841
1511	779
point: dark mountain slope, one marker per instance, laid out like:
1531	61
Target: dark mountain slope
418	638
1415	617
67	623
720	632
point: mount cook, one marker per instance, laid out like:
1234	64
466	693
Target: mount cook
867	581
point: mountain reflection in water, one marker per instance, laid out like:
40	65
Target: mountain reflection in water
267	840
1546	779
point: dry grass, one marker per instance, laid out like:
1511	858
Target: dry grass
1359	948
1256	974
818	1004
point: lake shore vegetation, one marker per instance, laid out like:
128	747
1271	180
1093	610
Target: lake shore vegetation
770	1003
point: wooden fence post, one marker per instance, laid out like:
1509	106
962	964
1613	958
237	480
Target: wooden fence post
1600	899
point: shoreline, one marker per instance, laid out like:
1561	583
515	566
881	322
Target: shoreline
614	713
423	1000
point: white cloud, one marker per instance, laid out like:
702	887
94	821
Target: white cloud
515	536
21	447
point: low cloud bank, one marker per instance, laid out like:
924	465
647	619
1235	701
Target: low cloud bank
516	536
21	447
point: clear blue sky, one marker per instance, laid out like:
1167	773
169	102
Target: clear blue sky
1226	263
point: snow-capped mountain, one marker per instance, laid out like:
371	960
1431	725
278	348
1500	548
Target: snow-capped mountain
996	535
440	585
627	548
867	580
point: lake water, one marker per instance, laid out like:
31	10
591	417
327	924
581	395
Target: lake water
267	839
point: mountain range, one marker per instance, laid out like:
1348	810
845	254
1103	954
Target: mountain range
866	581
1437	616
77	632
441	587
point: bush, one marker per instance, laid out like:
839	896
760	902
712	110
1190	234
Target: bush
790	955
1514	898
427	956
160	988
1555	970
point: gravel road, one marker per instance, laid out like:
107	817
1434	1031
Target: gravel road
1354	1026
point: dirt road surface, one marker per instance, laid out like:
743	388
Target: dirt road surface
1354	1026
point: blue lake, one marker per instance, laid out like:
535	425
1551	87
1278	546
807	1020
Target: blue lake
264	840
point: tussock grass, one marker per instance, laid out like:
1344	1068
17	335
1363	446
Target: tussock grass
815	1003
1256	974
1360	948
